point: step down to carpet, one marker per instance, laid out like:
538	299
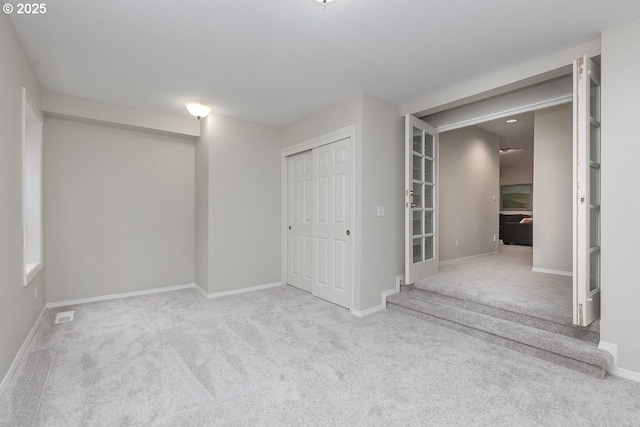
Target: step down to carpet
590	334
570	352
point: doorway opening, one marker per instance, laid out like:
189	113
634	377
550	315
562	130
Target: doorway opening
547	197
514	254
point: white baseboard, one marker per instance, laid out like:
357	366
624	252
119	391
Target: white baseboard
466	257
16	360
368	311
157	290
237	291
202	291
116	296
626	374
610	348
548	271
380	307
616	371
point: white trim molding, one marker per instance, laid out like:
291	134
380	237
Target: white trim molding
158	290
626	374
16	360
449	261
237	291
615	370
380	307
548	271
610	348
328	138
117	296
368	311
508	112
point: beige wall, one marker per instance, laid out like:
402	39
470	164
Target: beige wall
19	308
340	115
518	174
469	178
119	210
620	204
382	184
243	203
552	189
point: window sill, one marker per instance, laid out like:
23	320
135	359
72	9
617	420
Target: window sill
31	270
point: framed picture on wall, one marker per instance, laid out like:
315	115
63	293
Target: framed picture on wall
516	197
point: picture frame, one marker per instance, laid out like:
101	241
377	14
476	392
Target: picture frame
517	197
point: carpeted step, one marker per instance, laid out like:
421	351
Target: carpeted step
589	334
562	350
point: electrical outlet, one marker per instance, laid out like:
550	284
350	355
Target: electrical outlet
457	242
494	237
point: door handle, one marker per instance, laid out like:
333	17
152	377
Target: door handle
289	227
348	233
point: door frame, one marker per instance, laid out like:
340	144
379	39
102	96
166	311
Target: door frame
328	138
502	113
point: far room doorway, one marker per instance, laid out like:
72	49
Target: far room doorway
486	243
580	121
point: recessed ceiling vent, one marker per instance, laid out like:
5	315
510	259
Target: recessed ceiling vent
64	317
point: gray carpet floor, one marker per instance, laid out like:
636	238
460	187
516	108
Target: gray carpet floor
505	280
282	357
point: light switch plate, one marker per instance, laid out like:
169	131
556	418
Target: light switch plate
380	210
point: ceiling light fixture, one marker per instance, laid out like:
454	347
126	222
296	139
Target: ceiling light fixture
198	109
324	1
511	120
508	150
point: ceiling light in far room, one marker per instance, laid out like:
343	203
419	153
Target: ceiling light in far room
324	1
511	120
198	109
509	150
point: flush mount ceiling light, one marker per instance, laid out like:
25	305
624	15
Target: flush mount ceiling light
324	1
509	150
198	109
511	120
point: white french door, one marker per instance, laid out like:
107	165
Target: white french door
421	200
331	248
586	203
300	217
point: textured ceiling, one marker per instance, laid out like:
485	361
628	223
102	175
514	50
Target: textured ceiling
275	61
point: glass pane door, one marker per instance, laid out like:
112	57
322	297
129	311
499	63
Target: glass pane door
420	203
586	276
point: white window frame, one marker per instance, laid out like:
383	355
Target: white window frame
32	188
